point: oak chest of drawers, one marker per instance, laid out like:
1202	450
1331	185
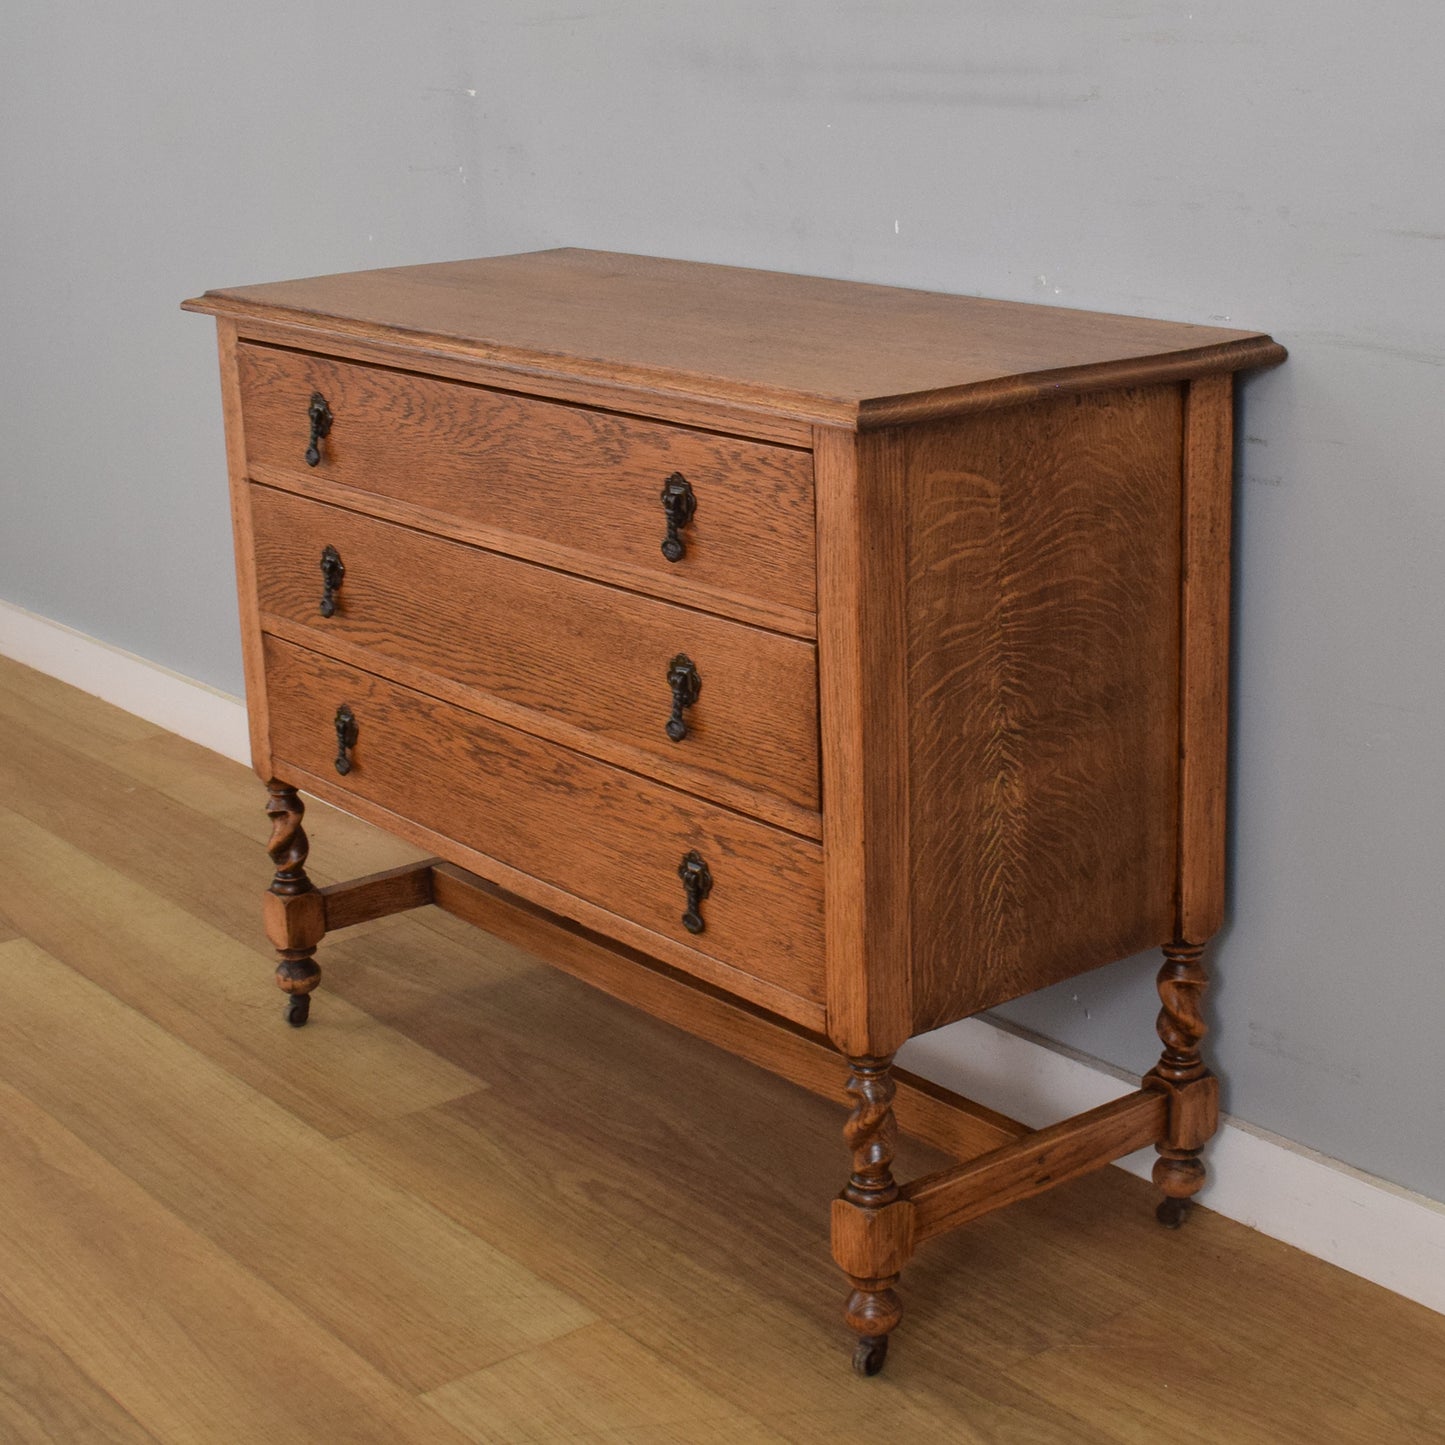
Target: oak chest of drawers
811	663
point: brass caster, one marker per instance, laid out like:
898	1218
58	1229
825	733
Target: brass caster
1171	1213
869	1354
298	1009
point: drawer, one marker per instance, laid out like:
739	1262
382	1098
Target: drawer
579	662
585	839
565	485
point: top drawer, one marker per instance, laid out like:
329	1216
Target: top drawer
562	485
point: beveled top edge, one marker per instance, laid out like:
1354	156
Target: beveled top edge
822	352
1248	355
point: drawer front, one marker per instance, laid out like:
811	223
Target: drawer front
604	845
563	485
579	662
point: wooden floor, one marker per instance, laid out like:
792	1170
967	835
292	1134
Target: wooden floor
476	1201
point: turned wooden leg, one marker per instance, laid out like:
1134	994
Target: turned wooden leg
1193	1091
294	911
872	1228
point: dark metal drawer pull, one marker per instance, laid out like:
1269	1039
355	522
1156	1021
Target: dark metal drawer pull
346	734
333	574
319	415
680	503
686	684
697	884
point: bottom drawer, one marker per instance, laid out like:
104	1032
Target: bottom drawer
585	839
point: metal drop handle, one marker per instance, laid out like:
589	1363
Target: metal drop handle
319	415
686	684
679	502
347	730
333	574
697	884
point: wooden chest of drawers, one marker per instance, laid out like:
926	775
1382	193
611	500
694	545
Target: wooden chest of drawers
810	663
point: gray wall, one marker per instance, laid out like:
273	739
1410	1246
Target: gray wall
1272	166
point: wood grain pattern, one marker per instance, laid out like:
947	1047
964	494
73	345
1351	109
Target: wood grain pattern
78	887
662	1278
1230	1382
1043	657
378	895
816	349
632	398
592	833
778	1000
183	1337
595	1383
48	1400
1204	684
570	487
567	659
108	752
1271	1358
243	1173
862	687
1037	1162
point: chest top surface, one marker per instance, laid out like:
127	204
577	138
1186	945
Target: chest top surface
833	352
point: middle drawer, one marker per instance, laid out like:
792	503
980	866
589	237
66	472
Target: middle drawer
600	669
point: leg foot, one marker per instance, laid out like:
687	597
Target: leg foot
870	1354
296	975
1172	1213
872	1313
1179	1175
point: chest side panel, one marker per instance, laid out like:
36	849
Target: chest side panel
1043	623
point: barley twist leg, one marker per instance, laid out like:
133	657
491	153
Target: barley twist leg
1179	1171
294	914
873	1309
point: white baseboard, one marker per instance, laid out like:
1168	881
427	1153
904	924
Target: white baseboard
202	714
1362	1224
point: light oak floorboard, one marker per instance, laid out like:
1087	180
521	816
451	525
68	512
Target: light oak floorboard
206	783
181	1337
476	1200
214	993
46	1399
594	1383
68	717
167	846
1123	1376
710	1211
420	1298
